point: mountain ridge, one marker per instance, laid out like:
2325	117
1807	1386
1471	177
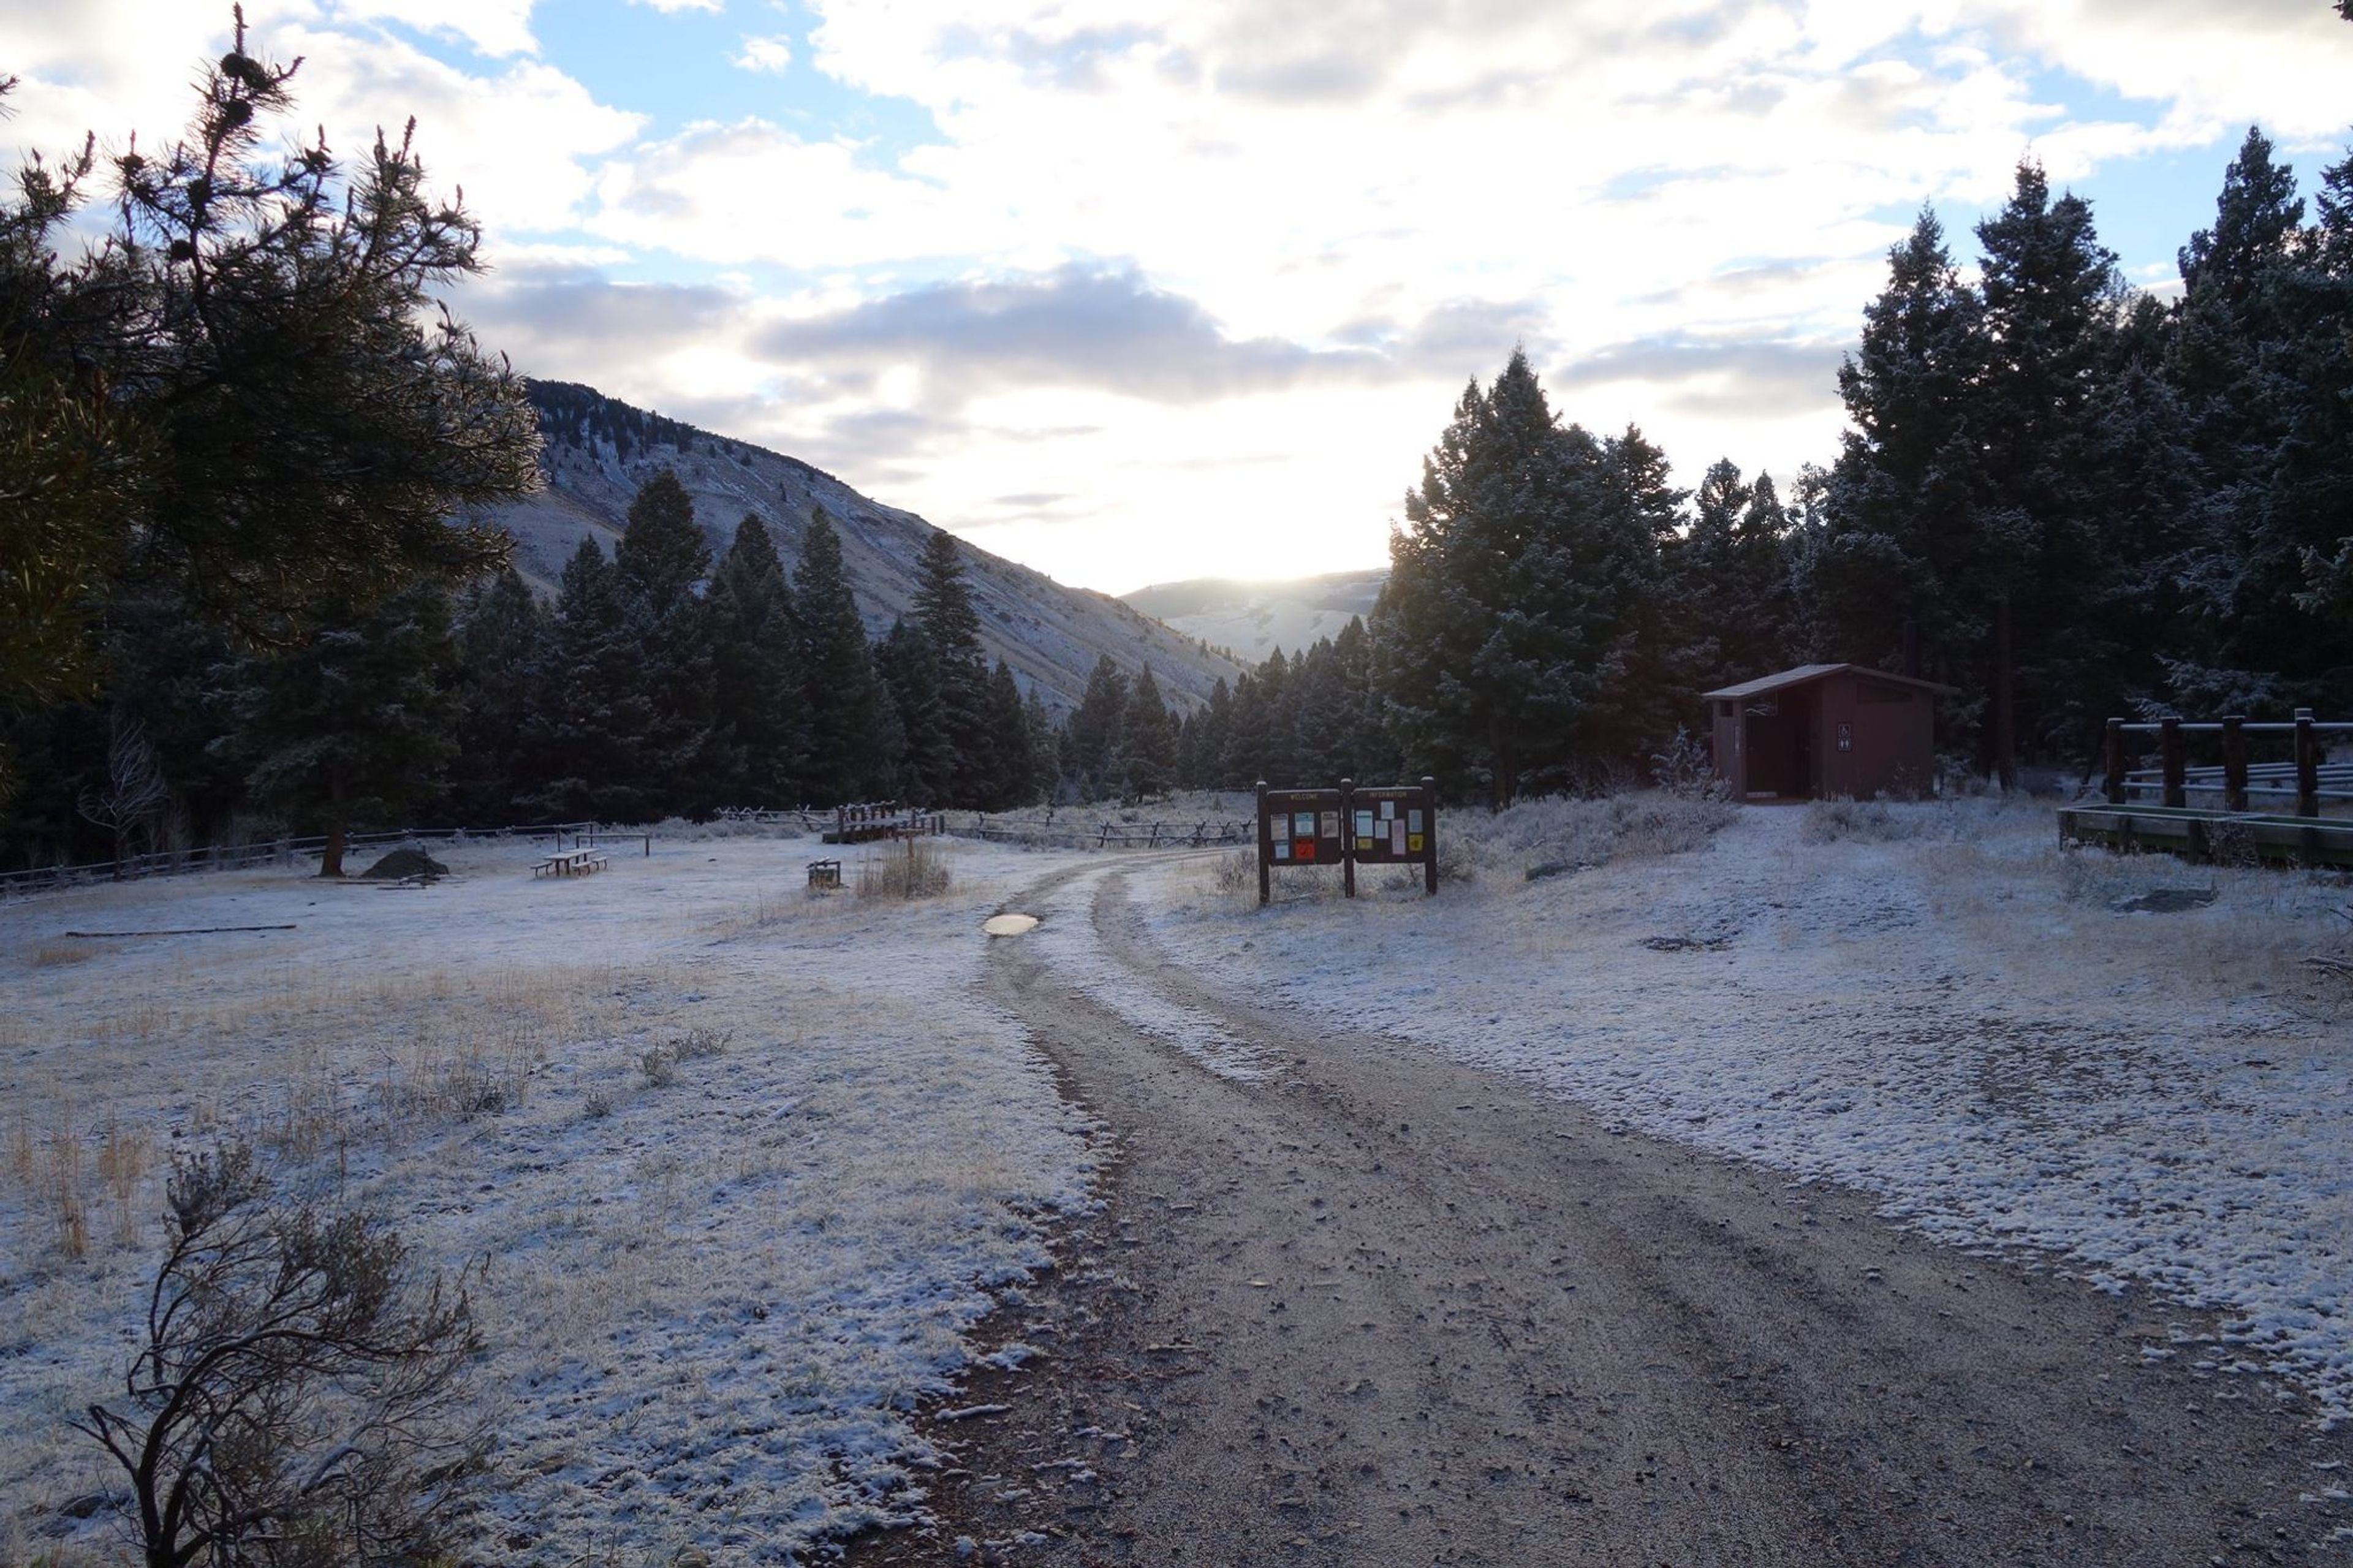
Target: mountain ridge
1252	619
597	450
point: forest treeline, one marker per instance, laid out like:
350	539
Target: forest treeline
234	434
2064	498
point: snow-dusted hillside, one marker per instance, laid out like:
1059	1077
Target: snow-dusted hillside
599	451
1252	619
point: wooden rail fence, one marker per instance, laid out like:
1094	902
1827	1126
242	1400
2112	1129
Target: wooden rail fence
1207	833
2305	779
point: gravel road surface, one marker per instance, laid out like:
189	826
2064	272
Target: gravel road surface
1379	1308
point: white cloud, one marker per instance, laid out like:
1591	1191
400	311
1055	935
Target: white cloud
673	8
495	27
1218	267
764	54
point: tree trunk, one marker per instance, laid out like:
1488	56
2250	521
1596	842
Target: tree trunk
330	859
2005	711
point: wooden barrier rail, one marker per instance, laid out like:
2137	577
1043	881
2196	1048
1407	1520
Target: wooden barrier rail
2306	778
241	857
1204	834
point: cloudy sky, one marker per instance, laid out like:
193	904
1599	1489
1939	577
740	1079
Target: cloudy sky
1140	290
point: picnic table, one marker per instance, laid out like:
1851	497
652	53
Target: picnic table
571	863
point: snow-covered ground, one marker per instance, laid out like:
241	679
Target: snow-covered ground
711	1304
1949	1012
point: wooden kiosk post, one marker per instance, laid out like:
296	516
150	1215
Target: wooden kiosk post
2234	763
2307	765
1265	849
2115	781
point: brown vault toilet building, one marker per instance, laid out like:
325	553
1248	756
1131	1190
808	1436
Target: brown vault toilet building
1825	731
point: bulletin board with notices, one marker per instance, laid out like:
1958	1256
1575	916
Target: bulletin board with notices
1348	826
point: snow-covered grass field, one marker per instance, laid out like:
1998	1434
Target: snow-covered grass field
711	1303
1932	1002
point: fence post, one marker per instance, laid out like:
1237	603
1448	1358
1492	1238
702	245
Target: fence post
2116	789
1348	837
1265	850
1429	843
2307	765
2169	739
2234	763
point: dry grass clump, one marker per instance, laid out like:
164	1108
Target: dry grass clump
1539	838
1870	821
916	869
660	1064
124	1153
59	954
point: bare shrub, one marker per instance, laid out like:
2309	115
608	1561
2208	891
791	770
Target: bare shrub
696	1044
598	1106
2232	844
298	1397
914	870
1237	872
659	1065
1686	769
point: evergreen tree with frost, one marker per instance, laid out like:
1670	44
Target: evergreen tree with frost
1147	740
844	701
1095	740
1042	746
504	647
757	719
350	728
660	565
1524	551
944	612
2051	299
2260	361
1898	537
587	736
925	764
1014	781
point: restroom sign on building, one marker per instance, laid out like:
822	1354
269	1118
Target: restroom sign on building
1347	826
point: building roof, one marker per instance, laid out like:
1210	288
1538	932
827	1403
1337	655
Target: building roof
1806	674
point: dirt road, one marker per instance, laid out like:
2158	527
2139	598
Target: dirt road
1372	1308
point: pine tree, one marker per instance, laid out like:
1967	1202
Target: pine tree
658	564
352	727
1094	752
757	718
926	762
1896	535
1525	549
845	702
2260	363
502	653
1015	781
2051	298
587	741
943	612
1044	748
1148	741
